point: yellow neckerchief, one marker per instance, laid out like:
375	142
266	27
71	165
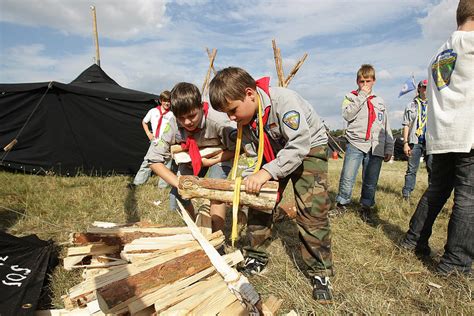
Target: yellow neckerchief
421	121
238	180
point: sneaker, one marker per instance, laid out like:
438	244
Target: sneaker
252	266
338	210
421	250
366	214
321	289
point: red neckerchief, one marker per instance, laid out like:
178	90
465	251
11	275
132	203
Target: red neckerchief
192	146
160	120
263	83
372	114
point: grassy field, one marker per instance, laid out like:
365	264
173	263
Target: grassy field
372	274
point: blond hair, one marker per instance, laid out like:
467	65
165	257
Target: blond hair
366	71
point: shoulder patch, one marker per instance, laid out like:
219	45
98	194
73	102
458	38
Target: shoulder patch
346	101
292	119
443	67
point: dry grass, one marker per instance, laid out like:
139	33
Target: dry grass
372	274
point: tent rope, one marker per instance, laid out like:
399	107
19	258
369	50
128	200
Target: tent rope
10	145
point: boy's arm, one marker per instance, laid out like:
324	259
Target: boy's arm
295	130
352	105
164	173
389	141
147	130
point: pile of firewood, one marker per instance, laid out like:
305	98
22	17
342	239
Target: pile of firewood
144	269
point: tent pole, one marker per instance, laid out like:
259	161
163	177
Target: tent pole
96	36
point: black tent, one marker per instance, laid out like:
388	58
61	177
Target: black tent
92	125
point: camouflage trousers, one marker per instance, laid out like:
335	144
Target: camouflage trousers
313	203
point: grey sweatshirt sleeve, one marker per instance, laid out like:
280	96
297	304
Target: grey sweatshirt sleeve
159	150
352	105
389	141
295	130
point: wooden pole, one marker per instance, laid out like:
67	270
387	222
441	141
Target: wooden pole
211	66
294	70
278	63
96	36
209	54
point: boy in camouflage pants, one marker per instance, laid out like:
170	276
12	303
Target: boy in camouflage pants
295	148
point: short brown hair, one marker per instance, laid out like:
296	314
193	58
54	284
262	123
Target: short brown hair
185	97
165	96
465	11
229	84
366	71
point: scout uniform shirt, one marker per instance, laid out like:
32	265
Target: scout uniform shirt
293	128
215	129
412	117
450	95
355	112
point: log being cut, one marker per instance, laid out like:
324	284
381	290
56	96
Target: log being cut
223	190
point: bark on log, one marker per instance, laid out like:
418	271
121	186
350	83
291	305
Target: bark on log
117	294
223	190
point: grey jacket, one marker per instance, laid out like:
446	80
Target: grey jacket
215	129
293	128
355	112
410	117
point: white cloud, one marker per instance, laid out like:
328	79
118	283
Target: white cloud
120	20
440	21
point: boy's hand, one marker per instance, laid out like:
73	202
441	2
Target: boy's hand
366	89
254	182
407	149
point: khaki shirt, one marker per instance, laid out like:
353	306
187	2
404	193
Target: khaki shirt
410	118
356	113
215	130
293	128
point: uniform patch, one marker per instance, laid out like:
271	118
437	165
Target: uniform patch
346	102
443	67
292	119
380	116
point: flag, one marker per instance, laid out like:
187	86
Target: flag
408	86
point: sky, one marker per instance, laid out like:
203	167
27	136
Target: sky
150	45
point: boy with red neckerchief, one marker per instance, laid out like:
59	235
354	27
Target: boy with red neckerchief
370	142
159	117
295	147
197	126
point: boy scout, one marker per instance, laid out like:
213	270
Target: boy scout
295	148
370	141
198	126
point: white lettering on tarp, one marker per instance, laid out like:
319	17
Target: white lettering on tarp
14	279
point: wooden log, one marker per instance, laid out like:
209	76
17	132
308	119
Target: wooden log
278	63
234	309
223	190
207	152
81	239
117	295
94	249
271	305
163	231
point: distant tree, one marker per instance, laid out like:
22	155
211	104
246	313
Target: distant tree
397	132
336	133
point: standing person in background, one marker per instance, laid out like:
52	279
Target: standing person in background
414	144
450	139
160	118
370	142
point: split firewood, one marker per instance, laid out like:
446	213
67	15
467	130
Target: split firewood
271	305
223	190
163	231
181	156
94	249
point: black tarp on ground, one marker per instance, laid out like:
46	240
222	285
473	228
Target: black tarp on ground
91	125
24	265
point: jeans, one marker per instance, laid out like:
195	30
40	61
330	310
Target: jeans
144	173
450	171
417	151
217	171
371	166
